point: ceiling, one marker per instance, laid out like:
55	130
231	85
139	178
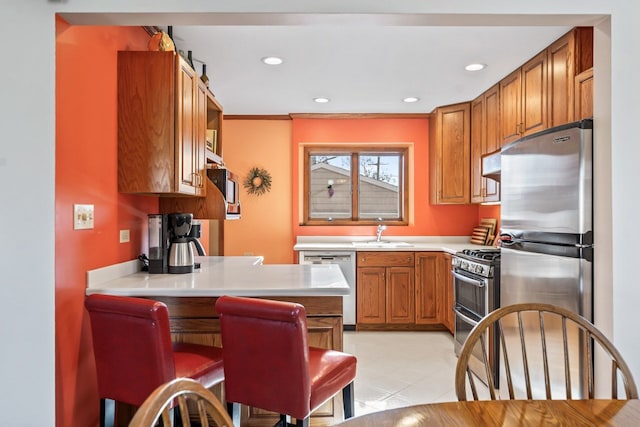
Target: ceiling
361	69
362	62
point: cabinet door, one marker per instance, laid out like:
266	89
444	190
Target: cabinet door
492	138
400	295
584	95
477	149
200	137
370	295
146	116
510	107
450	156
561	80
426	287
186	145
534	94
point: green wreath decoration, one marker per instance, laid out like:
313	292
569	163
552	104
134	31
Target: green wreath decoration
257	181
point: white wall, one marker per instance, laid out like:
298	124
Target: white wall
27	163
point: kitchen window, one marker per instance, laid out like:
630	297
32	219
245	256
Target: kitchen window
355	185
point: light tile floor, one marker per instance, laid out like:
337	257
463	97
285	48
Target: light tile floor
397	369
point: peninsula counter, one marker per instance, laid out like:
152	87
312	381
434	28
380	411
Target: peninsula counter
191	300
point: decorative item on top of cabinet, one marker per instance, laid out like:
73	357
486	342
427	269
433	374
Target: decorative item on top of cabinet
449	154
485	139
162	114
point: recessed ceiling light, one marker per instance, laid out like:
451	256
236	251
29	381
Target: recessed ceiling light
411	99
272	60
474	67
321	100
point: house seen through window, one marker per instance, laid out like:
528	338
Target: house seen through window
354	185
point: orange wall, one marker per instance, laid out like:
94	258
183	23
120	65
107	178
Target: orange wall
265	227
86	172
428	220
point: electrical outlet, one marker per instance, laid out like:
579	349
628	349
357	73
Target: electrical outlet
82	217
124	236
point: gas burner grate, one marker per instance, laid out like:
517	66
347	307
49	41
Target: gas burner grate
484	254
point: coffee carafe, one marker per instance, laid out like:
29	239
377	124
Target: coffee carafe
180	251
194	236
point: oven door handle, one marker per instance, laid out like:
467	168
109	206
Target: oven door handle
476	283
465	317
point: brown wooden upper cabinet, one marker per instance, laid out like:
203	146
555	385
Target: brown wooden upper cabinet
540	94
449	154
584	95
485	138
164	111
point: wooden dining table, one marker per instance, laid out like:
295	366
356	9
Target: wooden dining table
507	413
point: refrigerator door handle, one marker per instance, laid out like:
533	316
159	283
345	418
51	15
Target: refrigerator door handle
507	239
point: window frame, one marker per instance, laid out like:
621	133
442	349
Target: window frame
355	151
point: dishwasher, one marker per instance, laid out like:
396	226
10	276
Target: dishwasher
347	262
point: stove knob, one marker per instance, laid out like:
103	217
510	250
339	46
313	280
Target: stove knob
478	269
464	265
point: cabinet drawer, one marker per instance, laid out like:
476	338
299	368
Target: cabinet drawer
385	259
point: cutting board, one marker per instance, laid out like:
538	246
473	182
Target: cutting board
479	235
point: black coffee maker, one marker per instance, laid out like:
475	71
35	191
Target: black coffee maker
170	249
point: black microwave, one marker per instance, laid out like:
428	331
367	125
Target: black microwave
229	185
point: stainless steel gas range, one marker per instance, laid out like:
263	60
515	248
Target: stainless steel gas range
476	284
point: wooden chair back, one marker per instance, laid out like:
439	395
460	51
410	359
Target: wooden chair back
183	390
567	345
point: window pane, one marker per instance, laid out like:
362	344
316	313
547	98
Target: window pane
330	186
379	183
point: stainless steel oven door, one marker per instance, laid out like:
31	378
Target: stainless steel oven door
471	297
464	323
471	293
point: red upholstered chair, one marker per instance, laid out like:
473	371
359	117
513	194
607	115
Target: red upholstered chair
269	365
134	353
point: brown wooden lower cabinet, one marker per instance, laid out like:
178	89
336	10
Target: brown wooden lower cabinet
194	320
401	291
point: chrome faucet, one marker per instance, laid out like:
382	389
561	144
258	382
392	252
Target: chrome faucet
381	228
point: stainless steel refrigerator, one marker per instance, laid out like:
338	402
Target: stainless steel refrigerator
547	236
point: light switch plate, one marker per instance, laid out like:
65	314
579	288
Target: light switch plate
82	217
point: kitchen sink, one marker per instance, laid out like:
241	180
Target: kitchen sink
381	244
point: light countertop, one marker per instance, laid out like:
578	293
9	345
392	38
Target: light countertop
449	244
236	275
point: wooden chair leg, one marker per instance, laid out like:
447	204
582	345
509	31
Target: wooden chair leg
348	400
107	413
